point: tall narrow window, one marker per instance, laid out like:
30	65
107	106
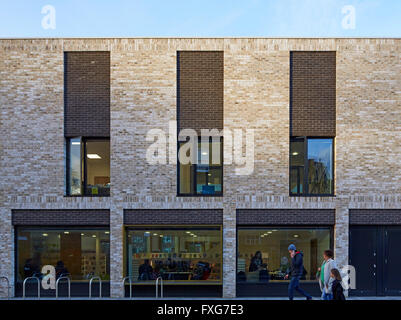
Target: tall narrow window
311	166
88	167
200	96
75	166
87	122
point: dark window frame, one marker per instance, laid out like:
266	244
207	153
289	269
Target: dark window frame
278	227
53	228
84	166
212	227
305	192
193	169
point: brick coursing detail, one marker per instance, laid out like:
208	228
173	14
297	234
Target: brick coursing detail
60	217
375	216
173	217
285	216
200	90
87	94
313	93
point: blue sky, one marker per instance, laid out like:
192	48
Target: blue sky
205	18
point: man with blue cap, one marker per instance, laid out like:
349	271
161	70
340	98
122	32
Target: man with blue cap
296	271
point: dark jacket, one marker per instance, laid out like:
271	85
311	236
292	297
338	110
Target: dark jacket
337	290
297	265
145	272
255	264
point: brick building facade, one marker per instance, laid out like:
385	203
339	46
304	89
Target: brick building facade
345	89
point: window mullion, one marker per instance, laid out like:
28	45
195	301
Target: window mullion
306	170
84	163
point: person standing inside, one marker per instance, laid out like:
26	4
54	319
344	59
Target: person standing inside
296	272
324	279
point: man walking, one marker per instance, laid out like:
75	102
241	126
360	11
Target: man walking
296	271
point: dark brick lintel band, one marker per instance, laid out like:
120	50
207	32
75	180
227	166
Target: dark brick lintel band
173	217
285	216
375	216
61	217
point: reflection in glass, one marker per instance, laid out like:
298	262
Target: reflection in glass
317	177
320	166
78	254
75	181
263	254
175	254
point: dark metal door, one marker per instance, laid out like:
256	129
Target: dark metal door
363	255
392	261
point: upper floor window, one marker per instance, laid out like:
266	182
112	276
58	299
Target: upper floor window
88	167
203	175
311	166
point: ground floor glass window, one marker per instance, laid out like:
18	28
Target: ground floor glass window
177	254
263	254
77	253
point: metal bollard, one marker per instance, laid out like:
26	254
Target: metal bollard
161	287
69	286
24	283
90	286
130	285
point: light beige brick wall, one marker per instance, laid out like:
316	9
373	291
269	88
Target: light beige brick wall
143	97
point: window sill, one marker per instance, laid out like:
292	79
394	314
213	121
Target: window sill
86	196
312	195
200	195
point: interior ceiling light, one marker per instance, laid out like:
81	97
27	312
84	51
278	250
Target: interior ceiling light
295	153
75	143
93	156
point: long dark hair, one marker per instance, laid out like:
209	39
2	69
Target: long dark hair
336	274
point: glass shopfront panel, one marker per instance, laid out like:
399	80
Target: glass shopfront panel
263	255
177	254
77	253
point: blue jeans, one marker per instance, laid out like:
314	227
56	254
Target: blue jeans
294	285
326	296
